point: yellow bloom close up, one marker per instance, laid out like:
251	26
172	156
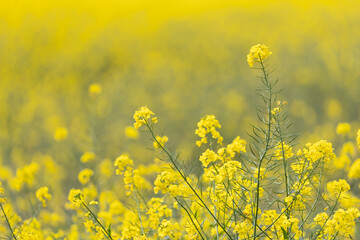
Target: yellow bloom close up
258	53
142	115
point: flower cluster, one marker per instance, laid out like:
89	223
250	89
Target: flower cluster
43	195
336	188
341	224
142	116
258	53
260	188
283	151
208	125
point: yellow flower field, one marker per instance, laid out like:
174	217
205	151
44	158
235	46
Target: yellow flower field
179	120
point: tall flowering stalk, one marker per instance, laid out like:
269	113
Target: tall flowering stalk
257	189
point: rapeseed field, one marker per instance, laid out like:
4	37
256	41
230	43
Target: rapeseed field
179	120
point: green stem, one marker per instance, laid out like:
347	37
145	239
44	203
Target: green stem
106	233
192	221
138	210
265	150
7	221
185	179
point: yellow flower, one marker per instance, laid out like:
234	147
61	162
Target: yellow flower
76	197
29	229
42	194
226	154
358	138
354	171
209	156
258	53
321	150
343	129
95	89
87	157
341	224
85	175
335	188
283	151
168	228
24	176
243	229
208	124
142	115
321	218
131	132
122	163
93	202
60	134
160	141
2	200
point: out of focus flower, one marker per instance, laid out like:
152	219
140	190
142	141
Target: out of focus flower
354	171
343	128
94	203
85	175
123	162
87	157
131	132
43	195
2	200
95	89
60	134
335	188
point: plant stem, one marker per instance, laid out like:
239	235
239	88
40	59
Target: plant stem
7	221
266	148
185	179
106	233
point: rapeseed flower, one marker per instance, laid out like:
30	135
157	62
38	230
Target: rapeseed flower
343	129
43	195
85	175
258	53
2	199
131	132
208	125
87	157
60	134
354	171
142	116
335	188
95	89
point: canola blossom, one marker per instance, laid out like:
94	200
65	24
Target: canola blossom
75	165
258	53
